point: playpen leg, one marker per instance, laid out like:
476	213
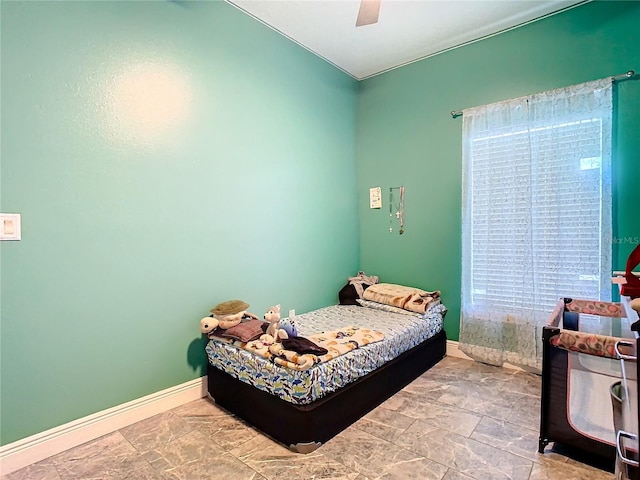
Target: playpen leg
542	443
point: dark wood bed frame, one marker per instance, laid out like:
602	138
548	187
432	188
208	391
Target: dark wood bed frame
303	428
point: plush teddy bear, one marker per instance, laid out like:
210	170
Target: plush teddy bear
226	315
274	333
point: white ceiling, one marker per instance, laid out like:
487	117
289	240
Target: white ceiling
407	30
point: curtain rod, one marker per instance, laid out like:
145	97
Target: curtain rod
617	78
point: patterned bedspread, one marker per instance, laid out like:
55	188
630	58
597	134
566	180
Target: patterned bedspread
401	333
336	342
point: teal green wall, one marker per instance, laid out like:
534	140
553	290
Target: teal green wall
406	136
165	156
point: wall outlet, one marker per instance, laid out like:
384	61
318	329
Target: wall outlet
292	313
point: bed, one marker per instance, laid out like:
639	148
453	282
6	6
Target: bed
302	409
581	379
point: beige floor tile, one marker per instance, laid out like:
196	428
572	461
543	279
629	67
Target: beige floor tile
453	475
460	420
384	423
223	428
465	455
275	461
514	439
155	431
44	470
559	471
380	459
111	457
454	419
223	467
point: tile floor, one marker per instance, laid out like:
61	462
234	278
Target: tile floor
459	421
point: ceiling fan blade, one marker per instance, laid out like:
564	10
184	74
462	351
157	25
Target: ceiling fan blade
368	13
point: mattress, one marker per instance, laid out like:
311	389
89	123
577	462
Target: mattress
402	332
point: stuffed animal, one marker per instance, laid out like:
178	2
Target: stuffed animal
226	315
274	333
208	325
289	326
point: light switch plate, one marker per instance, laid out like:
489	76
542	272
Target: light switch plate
10	226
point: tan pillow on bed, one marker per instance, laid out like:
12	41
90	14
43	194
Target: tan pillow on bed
245	331
386	308
401	296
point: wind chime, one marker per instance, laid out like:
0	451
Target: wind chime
396	209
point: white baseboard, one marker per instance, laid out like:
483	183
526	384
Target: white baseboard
454	351
21	453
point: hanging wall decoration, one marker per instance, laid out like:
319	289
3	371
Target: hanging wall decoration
396	209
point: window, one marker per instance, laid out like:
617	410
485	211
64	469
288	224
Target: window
536	214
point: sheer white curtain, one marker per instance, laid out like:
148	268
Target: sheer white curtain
536	216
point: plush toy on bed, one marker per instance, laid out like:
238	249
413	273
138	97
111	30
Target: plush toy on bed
274	333
226	315
289	326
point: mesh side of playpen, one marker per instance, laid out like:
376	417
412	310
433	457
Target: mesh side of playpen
589	403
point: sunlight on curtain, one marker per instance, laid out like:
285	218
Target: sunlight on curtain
536	216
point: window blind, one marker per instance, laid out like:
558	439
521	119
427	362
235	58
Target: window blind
548	204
